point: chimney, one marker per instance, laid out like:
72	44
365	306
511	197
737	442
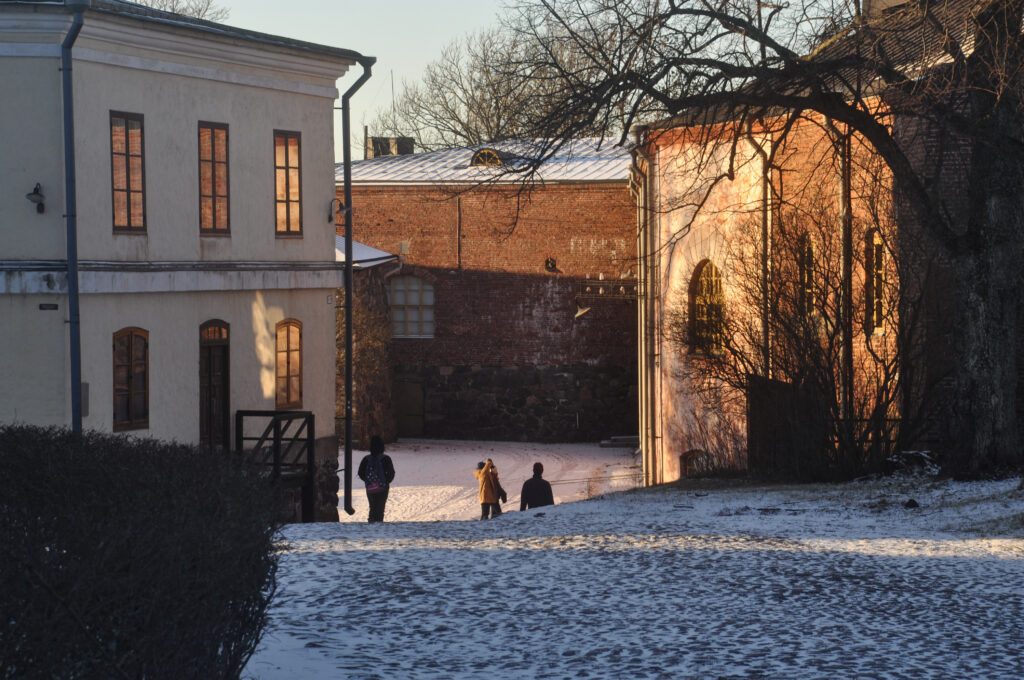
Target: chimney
388	146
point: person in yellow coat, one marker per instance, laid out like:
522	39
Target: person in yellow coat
490	489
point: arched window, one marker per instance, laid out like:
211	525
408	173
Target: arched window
486	157
288	371
874	277
131	379
805	267
707	310
412	307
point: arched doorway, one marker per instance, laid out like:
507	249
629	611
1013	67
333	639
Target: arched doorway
214	386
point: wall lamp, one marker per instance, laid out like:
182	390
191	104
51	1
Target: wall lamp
337	207
37	197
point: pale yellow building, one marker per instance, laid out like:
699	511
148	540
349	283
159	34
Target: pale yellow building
203	168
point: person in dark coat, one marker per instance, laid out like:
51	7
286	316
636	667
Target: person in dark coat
536	491
377	472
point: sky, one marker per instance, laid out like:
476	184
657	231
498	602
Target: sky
404	36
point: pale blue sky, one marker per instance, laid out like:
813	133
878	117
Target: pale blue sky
404	35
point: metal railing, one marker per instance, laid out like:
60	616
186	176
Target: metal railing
285	446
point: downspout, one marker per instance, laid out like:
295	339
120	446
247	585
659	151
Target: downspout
346	145
71	218
766	347
647	353
847	291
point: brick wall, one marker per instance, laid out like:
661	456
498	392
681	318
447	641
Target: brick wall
509	358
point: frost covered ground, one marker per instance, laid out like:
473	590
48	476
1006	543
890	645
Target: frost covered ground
704	580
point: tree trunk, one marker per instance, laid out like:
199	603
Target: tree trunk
985	297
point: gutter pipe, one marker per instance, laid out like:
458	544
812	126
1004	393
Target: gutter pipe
367	64
646	350
71	218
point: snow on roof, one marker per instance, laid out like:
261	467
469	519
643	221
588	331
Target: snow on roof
583	160
363	256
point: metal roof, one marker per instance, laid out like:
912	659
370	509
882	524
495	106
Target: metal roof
582	160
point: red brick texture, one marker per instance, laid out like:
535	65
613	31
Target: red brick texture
509	358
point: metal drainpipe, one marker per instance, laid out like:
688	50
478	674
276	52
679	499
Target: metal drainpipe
71	223
367	64
648	416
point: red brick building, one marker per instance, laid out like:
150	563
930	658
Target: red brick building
513	310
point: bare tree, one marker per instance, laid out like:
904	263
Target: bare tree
201	9
827	383
467	97
935	90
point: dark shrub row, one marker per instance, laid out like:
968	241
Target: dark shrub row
130	558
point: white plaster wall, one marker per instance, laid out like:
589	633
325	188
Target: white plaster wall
172	106
175	78
34	361
173	321
31	151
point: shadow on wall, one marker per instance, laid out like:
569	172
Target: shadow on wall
507	358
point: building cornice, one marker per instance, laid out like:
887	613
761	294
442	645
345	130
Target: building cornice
41	277
168	48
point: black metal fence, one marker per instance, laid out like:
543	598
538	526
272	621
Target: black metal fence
284	445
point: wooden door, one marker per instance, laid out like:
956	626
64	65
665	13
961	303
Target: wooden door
409	402
214	386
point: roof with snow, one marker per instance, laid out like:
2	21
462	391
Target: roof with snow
582	160
363	256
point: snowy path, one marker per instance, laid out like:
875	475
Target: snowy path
779	582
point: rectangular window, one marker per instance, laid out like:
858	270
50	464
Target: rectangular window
127	172
412	307
288	183
131	379
213	179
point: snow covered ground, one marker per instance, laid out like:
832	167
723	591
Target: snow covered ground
709	579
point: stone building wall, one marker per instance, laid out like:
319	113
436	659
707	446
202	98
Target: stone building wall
510	358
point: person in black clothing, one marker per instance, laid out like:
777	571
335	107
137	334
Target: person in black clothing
377	472
536	491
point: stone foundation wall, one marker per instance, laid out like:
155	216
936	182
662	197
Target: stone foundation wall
526	403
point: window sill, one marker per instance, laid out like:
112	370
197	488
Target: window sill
215	234
132	426
288	234
123	231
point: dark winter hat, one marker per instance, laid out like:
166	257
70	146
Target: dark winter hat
538	469
480	465
376	445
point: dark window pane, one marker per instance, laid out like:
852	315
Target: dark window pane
121	408
139	409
